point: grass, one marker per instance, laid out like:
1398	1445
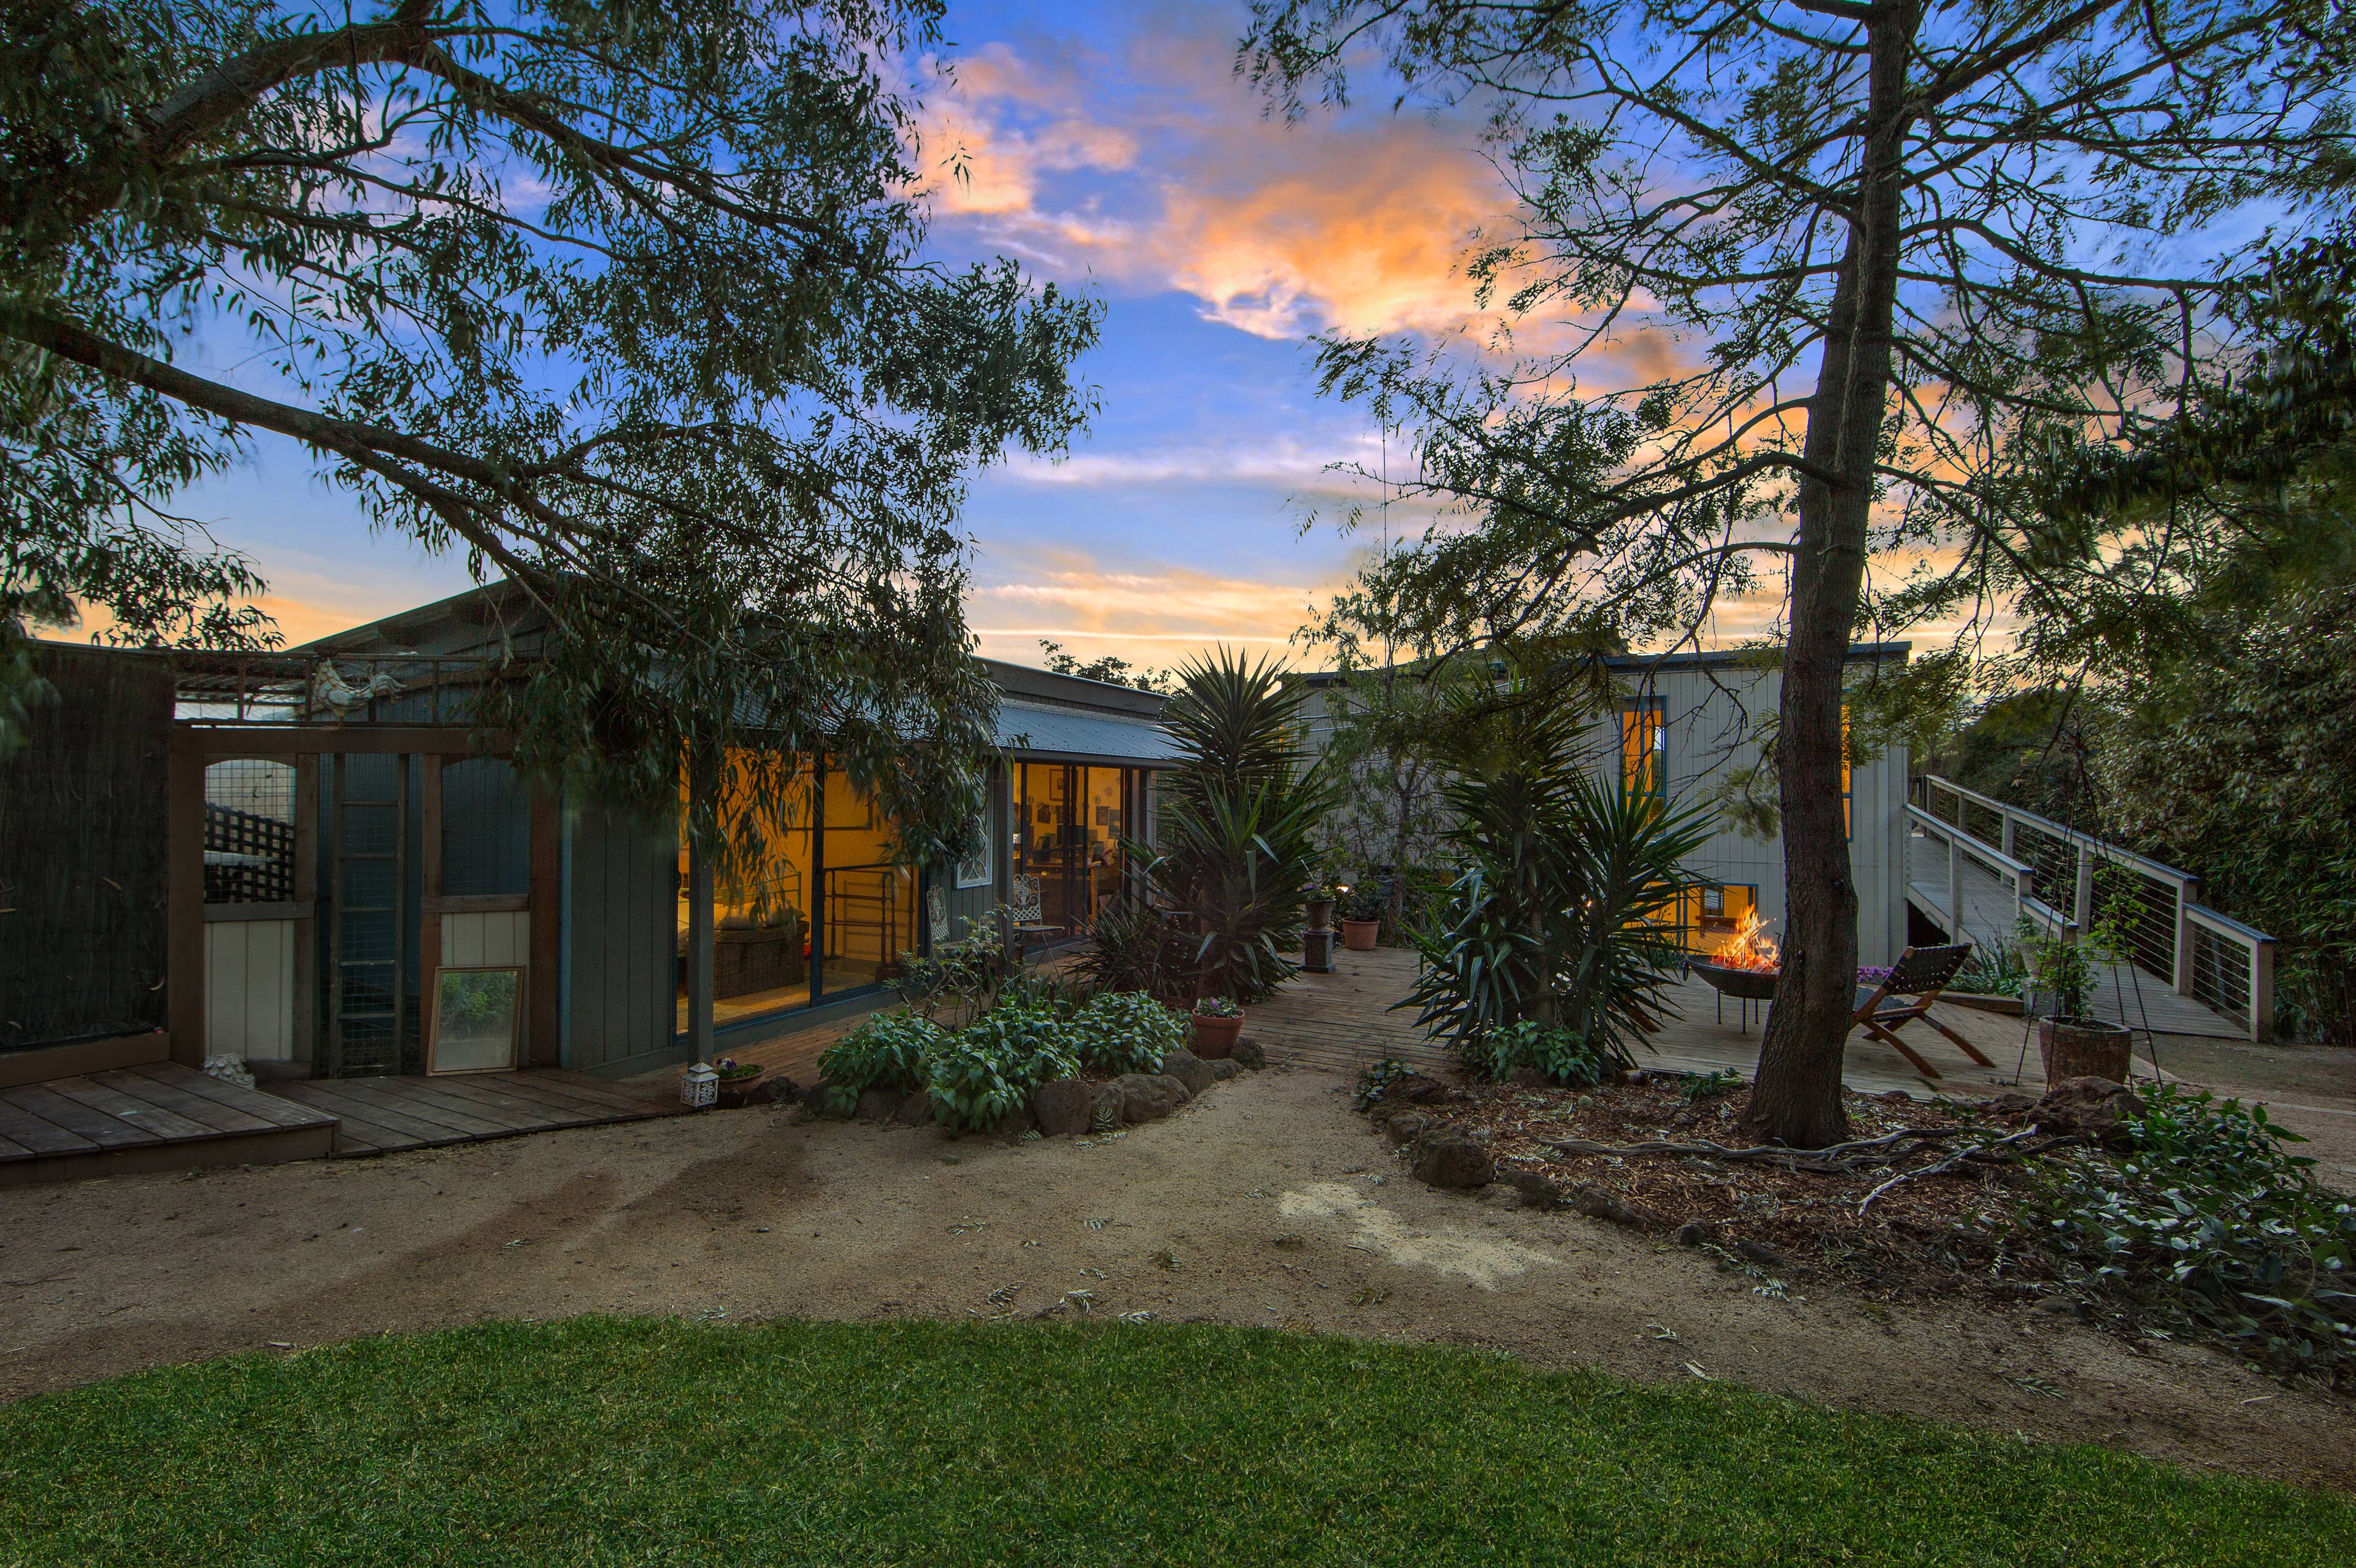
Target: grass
638	1442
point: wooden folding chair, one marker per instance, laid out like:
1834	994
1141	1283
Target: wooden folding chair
1914	982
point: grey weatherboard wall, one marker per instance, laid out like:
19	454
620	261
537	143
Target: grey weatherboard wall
620	984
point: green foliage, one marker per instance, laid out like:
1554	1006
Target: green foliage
1130	948
1562	913
964	976
1694	1087
1239	822
1217	1008
2025	747
628	304
1365	903
985	1072
1377	1080
2212	1222
889	1050
1127	1031
1562	1056
1994	970
2060	969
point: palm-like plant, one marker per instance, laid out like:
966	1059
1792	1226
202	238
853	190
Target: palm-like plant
1561	916
1238	823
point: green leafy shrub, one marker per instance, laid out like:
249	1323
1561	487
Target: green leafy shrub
1694	1087
1562	1056
985	1072
1995	970
2209	1222
890	1050
1365	903
964	976
1131	949
1127	1031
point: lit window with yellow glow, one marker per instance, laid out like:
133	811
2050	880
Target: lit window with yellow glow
1644	746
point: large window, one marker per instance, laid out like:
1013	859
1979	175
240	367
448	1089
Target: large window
813	910
1069	824
1644	746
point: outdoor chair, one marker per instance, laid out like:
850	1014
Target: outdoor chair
1914	984
1023	911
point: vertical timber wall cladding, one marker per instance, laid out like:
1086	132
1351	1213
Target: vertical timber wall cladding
82	863
621	964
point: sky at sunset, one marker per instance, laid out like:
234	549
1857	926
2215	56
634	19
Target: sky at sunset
1111	148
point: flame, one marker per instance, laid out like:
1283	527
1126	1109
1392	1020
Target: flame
1749	948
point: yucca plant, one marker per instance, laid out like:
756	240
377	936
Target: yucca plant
1237	824
1561	915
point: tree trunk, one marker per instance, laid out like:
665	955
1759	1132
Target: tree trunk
1797	1095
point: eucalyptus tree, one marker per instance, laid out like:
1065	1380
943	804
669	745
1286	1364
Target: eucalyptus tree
627	302
1797	280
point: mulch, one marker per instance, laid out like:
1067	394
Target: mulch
1944	1233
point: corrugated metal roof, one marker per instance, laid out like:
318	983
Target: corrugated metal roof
1031	730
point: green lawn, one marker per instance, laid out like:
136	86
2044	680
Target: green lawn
608	1441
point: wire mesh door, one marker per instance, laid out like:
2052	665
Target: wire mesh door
369	1021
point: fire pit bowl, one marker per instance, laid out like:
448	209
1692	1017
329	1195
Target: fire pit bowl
1751	984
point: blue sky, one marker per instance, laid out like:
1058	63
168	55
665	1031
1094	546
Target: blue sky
1112	149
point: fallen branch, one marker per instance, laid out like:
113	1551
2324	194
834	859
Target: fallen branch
1831	1161
1984	1151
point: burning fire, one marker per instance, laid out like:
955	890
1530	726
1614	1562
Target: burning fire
1749	948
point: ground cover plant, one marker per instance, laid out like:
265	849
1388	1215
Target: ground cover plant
2174	1215
600	1441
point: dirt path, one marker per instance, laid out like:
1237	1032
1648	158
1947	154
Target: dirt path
1267	1203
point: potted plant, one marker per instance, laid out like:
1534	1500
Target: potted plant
736	1080
1362	920
1217	1021
1317	904
2072	1042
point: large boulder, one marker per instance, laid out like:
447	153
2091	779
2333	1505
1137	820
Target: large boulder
1248	1054
876	1104
1407	1126
1148	1096
1064	1106
819	1100
2094	1108
1452	1159
1224	1068
1189	1070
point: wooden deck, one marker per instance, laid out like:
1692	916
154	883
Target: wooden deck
156	1116
379	1115
1341	1023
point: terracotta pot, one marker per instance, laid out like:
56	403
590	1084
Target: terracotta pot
1317	952
1215	1038
2083	1048
737	1092
1321	914
1359	935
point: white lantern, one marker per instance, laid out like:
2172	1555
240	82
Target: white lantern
698	1086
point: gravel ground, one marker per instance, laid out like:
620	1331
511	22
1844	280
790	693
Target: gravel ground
1267	1203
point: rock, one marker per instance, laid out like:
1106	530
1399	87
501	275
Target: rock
1104	1110
1597	1204
875	1105
1894	1097
1407	1126
1526	1078
1224	1069
1248	1054
1065	1106
1451	1159
1692	1233
1420	1090
1537	1191
1012	1125
1189	1070
2060	1306
1764	1256
1149	1096
915	1110
2094	1108
819	1101
778	1090
2013	1104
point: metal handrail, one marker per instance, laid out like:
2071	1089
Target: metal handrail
2256	946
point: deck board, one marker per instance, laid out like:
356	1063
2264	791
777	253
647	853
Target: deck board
156	1116
384	1115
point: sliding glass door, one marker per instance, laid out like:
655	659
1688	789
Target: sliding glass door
1069	824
